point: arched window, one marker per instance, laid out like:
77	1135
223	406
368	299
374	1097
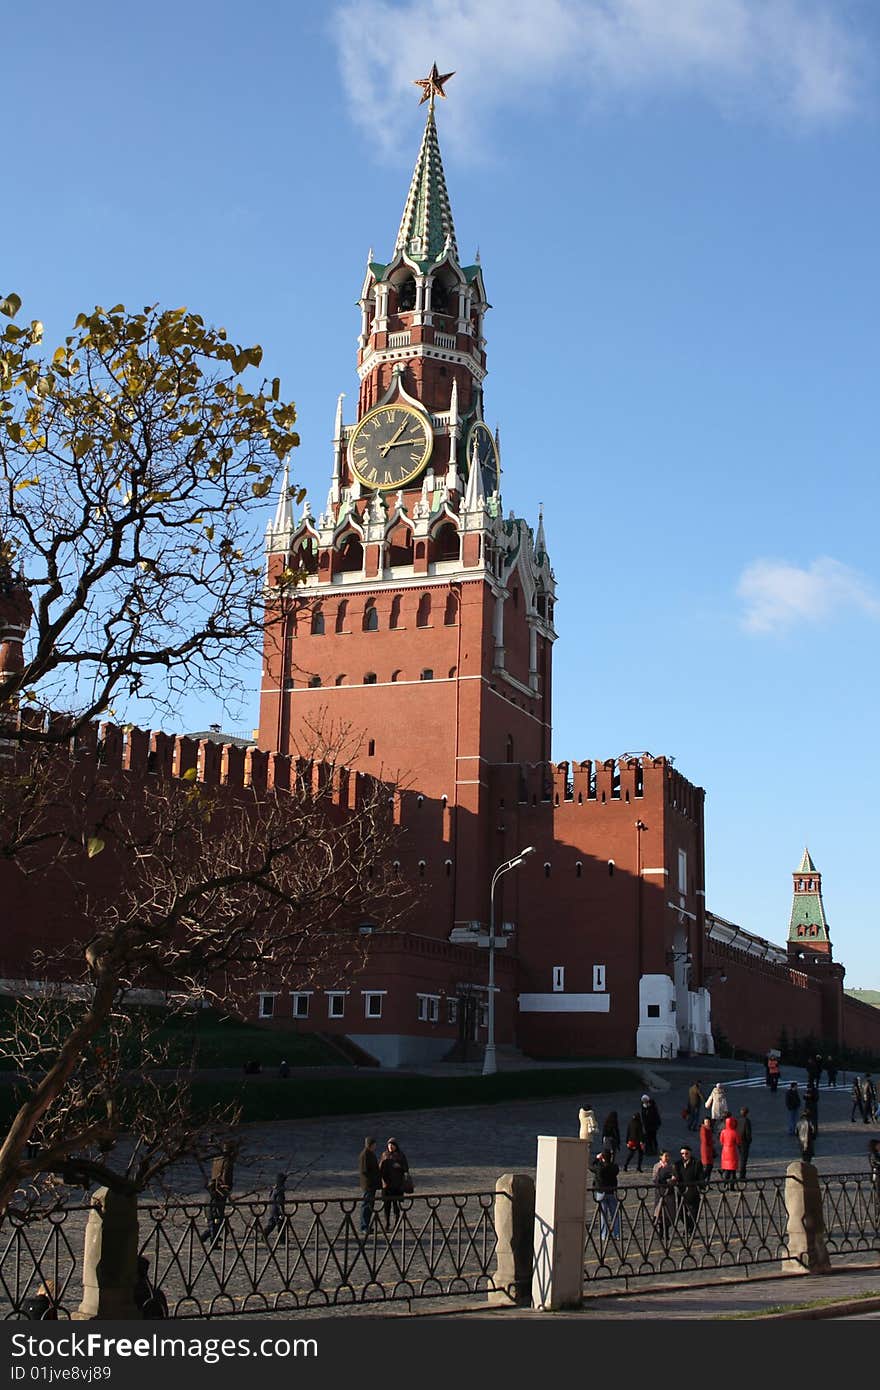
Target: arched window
452	672
394	620
341	612
400	546
318	622
305	556
427	674
450	617
370	678
314	682
371	617
340	680
440	297
406	295
447	543
423	617
396	675
351	556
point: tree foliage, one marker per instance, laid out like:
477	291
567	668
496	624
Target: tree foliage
131	460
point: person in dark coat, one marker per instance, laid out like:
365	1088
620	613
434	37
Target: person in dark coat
857	1102
688	1177
41	1307
874	1161
393	1169
635	1141
150	1300
605	1175
651	1120
368	1168
831	1071
707	1151
219	1188
664	1180
869	1099
277	1217
792	1106
745	1140
611	1134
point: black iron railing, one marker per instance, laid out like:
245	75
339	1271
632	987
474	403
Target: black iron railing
719	1227
317	1255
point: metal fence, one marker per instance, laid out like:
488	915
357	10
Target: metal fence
437	1246
721	1228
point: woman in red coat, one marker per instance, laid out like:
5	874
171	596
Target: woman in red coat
730	1146
707	1151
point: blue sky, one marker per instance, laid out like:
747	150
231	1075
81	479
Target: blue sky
676	206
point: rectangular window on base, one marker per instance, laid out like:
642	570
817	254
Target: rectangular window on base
267	1006
558	979
335	1005
299	1005
372	1004
428	1010
599	979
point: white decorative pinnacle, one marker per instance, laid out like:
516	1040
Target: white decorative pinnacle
540	538
337	430
452	476
475	496
422	508
283	513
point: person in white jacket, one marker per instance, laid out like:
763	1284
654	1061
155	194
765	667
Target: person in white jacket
589	1129
717	1105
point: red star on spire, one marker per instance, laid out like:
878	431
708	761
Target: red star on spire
432	85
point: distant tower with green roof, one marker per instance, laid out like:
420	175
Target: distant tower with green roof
808	928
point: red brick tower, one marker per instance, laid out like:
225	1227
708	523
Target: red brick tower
808	928
424	617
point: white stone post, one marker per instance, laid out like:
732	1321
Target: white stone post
560	1221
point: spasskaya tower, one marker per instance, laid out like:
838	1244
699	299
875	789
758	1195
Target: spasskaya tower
419	614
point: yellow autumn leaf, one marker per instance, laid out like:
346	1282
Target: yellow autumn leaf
94	846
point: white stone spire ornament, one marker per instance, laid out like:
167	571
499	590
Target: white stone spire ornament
283	513
475	496
423	507
338	448
452	481
540	538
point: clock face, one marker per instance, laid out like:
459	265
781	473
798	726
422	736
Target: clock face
390	446
487	455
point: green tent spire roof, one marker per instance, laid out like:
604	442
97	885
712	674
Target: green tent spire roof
806	865
426	228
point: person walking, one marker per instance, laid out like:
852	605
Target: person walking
277	1216
745	1140
611	1134
730	1147
792	1106
688	1194
219	1189
588	1130
148	1296
605	1175
806	1135
869	1099
370	1180
651	1121
773	1073
811	1099
707	1151
635	1141
696	1100
874	1162
393	1169
857	1102
831	1071
664	1180
717	1105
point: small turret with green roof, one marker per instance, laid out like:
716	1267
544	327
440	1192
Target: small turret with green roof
808	927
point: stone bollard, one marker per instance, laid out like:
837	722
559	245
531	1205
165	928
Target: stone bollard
110	1257
514	1229
807	1253
560	1216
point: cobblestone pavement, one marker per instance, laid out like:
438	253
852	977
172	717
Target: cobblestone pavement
465	1149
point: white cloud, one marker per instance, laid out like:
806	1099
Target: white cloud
777	595
795	60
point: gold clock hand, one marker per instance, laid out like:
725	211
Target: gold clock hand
383	450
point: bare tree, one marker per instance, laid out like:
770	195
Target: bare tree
203	894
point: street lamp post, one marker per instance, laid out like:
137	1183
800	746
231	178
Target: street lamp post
489	1064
